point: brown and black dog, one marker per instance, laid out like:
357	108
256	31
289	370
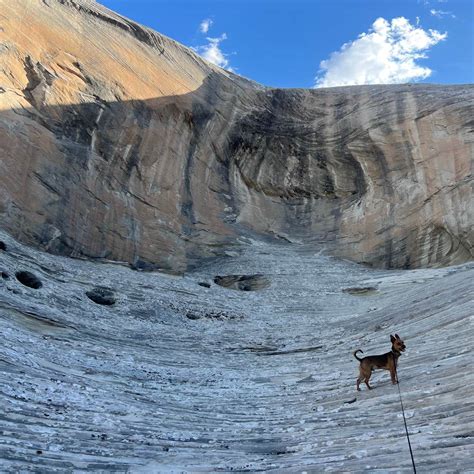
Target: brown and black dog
387	361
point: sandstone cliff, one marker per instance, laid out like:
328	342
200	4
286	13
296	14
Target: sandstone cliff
117	142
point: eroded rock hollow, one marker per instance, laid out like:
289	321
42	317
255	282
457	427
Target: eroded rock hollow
118	143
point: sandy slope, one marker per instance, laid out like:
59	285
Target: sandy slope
253	381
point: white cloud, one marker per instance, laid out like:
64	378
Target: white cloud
205	25
441	13
386	54
212	52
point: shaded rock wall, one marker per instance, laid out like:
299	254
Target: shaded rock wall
382	172
117	142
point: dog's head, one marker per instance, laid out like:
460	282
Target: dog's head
397	343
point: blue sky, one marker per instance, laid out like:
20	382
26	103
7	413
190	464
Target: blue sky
298	43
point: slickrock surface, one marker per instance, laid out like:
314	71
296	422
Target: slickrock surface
178	377
118	143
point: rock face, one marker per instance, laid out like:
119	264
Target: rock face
175	377
119	143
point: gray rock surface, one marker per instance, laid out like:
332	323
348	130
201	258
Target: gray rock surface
177	377
119	143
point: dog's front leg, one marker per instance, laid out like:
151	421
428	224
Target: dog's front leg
393	376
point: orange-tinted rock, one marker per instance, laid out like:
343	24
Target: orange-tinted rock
117	142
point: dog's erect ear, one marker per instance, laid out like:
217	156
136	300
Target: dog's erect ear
397	336
392	339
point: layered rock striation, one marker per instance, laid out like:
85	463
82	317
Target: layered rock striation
119	143
151	373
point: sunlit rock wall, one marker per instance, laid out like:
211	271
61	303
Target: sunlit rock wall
119	143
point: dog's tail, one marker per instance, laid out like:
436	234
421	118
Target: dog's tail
355	354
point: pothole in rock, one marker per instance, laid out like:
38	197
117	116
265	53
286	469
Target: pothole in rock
361	291
3	246
243	282
29	279
211	314
5	275
101	295
201	313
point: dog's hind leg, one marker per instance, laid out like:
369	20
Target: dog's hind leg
367	378
362	376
